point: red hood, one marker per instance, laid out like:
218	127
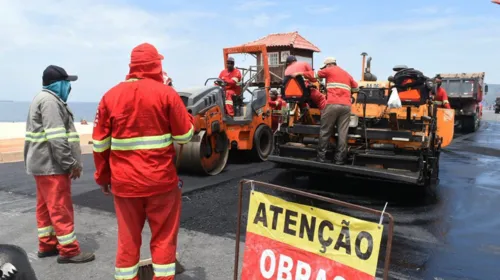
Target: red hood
145	62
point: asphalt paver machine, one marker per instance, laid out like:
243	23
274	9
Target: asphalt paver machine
395	144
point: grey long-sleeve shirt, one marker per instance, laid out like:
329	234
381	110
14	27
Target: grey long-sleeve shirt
52	144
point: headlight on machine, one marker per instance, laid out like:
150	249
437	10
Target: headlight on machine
353	121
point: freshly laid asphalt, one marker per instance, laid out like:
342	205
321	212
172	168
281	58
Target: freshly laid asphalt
453	236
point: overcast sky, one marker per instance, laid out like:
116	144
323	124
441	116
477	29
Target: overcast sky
94	38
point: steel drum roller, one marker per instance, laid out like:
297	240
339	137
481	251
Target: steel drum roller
201	155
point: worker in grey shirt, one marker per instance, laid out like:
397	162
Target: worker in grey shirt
52	155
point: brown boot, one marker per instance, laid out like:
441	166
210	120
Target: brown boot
80	258
179	268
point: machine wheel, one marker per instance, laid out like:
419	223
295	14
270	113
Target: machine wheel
205	154
262	142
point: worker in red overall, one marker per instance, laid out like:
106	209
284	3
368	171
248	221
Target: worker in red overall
340	85
441	97
136	124
294	66
277	104
232	77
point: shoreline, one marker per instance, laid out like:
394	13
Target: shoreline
12	140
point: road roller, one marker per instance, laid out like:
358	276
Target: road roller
216	133
400	145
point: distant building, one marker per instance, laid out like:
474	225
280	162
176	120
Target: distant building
279	47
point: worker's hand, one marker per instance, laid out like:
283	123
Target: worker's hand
76	172
106	189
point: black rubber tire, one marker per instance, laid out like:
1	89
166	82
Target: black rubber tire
469	125
263	141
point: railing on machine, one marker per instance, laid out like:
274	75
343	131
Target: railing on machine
256	73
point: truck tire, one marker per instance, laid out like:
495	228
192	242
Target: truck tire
262	142
470	124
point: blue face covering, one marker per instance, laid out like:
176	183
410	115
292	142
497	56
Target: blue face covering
61	88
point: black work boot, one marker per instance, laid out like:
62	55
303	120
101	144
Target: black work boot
338	159
321	159
83	257
46	254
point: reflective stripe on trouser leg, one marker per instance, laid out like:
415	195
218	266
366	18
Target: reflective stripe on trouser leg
229	104
127	273
131	216
163	212
164	270
56	192
47	240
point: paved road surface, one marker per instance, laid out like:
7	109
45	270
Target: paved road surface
453	237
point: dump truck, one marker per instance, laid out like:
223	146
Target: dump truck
497	105
216	133
465	93
394	144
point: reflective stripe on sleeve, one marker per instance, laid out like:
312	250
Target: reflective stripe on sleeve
438	102
141	143
183	139
338	85
446	102
355	89
73	137
67	239
125	273
52	133
235	79
100	146
164	270
46	231
229	102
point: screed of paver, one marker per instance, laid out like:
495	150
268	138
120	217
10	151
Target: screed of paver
204	256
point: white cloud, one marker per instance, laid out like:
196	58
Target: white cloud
320	10
262	20
429	10
254	5
450	43
92	38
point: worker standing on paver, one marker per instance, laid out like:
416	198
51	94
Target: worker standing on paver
52	155
232	77
441	97
136	124
292	67
340	85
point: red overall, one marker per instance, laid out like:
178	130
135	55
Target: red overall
303	67
54	215
135	154
232	79
441	98
339	84
276	105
